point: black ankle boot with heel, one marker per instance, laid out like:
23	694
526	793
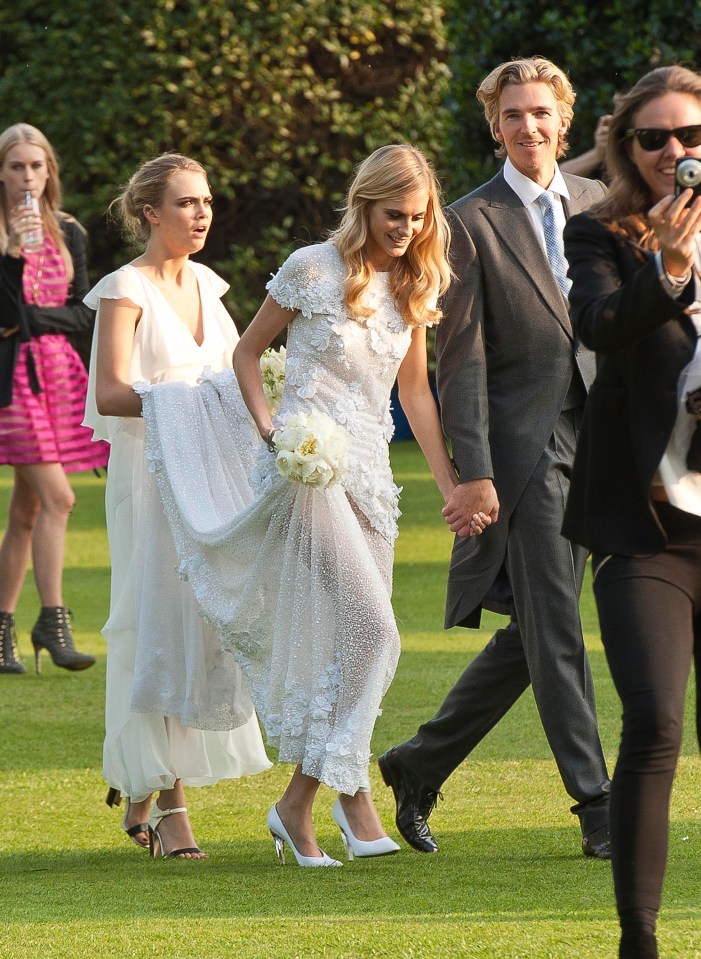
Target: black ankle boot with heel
9	658
52	632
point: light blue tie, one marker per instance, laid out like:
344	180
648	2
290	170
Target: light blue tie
553	244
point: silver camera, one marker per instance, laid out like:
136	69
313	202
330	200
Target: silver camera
687	175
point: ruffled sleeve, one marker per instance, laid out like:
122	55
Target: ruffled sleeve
124	284
310	281
209	278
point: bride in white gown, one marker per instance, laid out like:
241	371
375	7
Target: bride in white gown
177	710
298	585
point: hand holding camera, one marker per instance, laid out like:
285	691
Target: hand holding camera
687	176
676	220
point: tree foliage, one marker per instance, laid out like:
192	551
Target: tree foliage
604	47
279	100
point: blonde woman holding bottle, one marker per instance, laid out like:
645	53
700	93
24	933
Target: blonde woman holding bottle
43	279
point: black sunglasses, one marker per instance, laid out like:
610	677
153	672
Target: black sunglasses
651	139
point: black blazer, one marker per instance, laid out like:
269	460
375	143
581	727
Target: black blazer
643	340
74	319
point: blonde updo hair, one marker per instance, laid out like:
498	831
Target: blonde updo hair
528	70
49	201
419	276
147	187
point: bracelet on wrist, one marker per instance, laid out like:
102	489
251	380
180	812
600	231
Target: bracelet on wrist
678	280
675	280
269	439
673	284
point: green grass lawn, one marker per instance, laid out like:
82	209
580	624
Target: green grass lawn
508	882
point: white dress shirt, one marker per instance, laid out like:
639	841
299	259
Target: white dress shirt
528	192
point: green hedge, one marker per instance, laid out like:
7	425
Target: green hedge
603	47
277	99
280	99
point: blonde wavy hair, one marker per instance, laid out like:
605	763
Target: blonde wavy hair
529	70
147	187
419	276
50	200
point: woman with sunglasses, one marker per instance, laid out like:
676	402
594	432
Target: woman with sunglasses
635	497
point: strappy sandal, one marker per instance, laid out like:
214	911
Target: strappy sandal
155	843
114	798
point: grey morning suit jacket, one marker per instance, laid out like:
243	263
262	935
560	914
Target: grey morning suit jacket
506	356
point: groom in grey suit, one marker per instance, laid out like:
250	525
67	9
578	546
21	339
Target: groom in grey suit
512	381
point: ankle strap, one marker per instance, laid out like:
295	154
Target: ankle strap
169	812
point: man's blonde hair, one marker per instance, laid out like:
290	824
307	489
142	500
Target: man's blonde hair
529	70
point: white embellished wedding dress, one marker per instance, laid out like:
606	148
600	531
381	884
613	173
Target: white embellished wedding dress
177	706
298	584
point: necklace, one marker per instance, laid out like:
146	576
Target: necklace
37	279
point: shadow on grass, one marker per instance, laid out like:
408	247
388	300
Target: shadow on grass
60	714
499	875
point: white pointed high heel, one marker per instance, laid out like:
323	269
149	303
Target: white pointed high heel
360	848
281	836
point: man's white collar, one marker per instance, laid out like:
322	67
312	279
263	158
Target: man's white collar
528	190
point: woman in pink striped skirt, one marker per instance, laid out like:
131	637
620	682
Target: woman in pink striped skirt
43	279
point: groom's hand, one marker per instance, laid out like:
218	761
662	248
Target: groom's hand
472	506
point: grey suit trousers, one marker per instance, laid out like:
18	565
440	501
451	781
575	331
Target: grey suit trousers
542	645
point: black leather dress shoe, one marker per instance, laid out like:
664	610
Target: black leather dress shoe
597	843
415	802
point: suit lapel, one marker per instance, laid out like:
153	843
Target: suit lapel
511	222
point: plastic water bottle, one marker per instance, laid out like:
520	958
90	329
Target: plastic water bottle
34	239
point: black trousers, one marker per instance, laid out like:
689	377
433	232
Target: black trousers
650	615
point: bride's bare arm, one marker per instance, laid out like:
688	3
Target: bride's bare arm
270	320
420	409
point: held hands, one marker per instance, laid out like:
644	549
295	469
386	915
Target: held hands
472	507
676	226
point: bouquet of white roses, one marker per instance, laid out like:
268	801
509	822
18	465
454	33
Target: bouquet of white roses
311	448
272	368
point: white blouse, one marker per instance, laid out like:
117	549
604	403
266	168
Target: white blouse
682	485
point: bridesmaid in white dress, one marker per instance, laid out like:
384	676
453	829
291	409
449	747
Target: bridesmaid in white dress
299	584
177	711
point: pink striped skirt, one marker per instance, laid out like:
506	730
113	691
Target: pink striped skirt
47	427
